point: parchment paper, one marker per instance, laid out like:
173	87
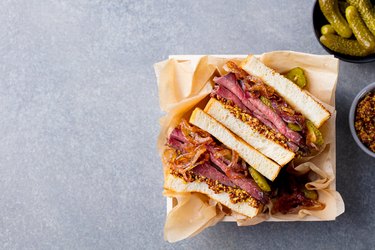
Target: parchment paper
185	81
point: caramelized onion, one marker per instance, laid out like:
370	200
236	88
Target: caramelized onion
190	151
189	160
315	206
233	67
194	135
234	159
169	155
222	153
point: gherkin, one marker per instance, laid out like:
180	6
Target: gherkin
330	10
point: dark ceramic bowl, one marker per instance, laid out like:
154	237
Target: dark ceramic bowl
318	21
353	108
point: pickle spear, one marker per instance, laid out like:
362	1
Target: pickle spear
343	45
367	12
294	127
297	75
313	134
310	194
360	31
266	101
332	13
260	180
342	6
327	29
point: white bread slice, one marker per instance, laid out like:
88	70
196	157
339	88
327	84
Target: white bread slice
300	100
262	164
179	185
266	146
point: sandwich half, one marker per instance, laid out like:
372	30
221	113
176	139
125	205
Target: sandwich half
268	111
300	100
203	156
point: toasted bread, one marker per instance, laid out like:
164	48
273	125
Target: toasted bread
299	99
258	161
179	185
251	135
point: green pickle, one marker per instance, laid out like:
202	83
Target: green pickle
266	101
332	13
342	6
367	12
297	75
310	194
294	127
313	134
260	180
327	29
343	45
360	31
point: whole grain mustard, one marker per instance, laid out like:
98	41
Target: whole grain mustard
365	121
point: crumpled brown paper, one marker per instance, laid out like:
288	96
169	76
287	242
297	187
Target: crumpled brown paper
184	81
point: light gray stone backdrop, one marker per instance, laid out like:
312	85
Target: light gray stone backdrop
79	120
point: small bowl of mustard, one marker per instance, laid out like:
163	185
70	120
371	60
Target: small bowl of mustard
362	119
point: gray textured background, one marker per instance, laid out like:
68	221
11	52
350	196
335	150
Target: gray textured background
79	120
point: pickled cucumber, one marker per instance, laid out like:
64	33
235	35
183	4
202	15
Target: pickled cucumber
342	6
297	75
266	101
332	13
294	127
360	31
366	11
327	29
260	180
313	134
343	45
310	194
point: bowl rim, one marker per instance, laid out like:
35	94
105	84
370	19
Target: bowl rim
359	97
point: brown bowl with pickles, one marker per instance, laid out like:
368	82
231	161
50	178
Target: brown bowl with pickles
319	20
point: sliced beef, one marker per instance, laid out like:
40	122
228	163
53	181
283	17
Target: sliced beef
276	120
294	147
218	169
261	111
208	171
178	135
240	180
223	92
175	143
229	81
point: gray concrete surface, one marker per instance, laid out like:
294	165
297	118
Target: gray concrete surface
79	120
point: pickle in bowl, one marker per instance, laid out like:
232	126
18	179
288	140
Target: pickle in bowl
346	28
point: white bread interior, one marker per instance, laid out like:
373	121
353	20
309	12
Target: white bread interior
300	100
179	185
266	146
261	163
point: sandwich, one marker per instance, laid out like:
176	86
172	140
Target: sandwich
268	111
204	156
199	162
256	122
